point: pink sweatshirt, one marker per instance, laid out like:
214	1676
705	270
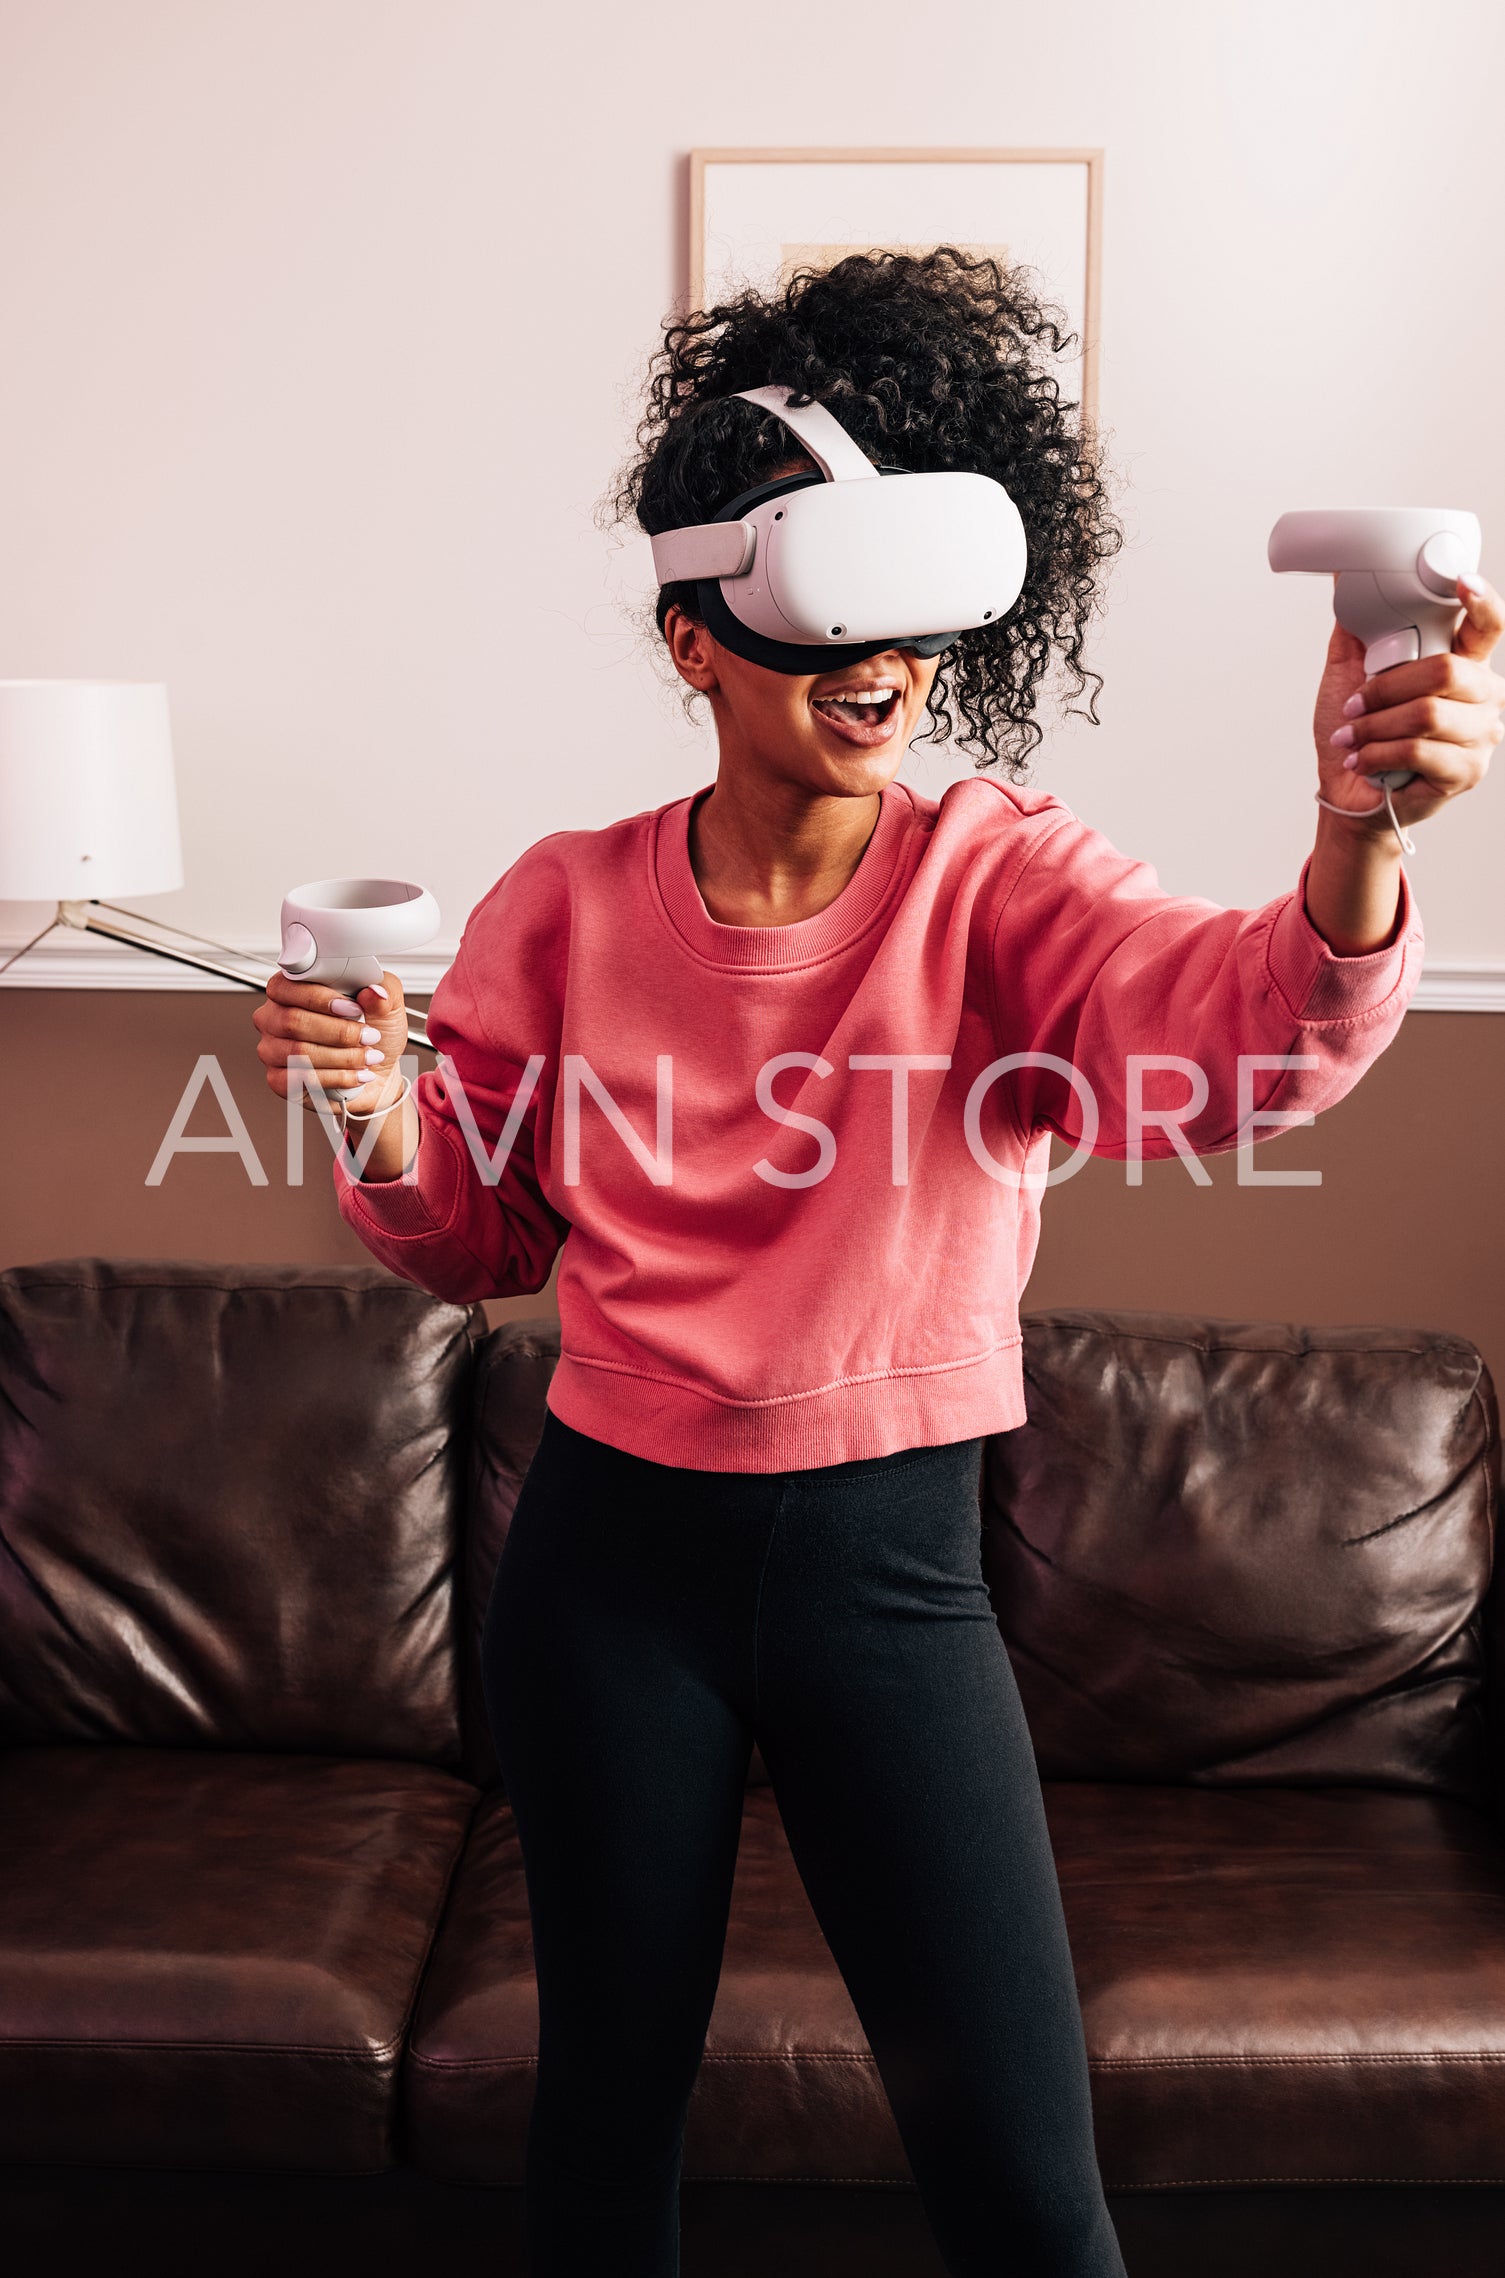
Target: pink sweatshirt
775	1253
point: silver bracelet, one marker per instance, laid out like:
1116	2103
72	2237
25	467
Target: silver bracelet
375	1114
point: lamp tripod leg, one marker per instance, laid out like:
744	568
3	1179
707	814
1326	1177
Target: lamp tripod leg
84	918
36	937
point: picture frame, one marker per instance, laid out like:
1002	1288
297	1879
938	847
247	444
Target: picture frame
757	214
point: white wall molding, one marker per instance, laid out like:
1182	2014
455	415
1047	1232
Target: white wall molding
1460	988
71	960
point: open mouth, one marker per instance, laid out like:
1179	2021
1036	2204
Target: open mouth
860	715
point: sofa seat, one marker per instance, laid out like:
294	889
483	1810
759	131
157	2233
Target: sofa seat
209	1958
1313	1976
1287	1985
787	2090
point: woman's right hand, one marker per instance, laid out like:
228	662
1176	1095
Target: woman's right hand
354	1042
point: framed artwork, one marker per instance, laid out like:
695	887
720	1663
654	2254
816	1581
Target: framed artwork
758	215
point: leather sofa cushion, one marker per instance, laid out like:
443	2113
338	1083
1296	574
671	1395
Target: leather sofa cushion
231	1499
1292	1984
1247	1553
208	1959
513	1367
1287	1985
787	2085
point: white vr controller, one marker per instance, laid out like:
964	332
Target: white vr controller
338	930
1396	568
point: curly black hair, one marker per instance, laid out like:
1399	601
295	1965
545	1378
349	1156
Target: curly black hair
930	361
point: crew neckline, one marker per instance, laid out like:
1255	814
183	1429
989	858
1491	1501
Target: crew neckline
776	947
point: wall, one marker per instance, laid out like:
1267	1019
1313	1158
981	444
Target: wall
1408	1225
325	321
95	1079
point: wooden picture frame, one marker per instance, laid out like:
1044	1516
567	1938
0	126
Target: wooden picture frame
1078	196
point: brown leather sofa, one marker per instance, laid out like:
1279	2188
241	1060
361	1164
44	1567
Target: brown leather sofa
265	1990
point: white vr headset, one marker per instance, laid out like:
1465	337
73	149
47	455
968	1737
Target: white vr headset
813	571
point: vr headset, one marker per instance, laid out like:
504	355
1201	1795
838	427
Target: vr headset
814	571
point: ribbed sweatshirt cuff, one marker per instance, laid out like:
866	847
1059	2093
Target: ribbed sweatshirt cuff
400	1212
1319	985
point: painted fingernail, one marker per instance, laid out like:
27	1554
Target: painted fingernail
1341	736
1471	582
377	990
1352	760
371	1036
375	1059
346	1008
1354	706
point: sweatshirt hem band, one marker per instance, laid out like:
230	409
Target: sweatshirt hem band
878	1415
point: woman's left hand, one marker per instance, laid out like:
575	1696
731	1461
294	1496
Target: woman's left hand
1440	716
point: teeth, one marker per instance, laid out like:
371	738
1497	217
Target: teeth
861	696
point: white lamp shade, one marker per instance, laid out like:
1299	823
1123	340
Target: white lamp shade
88	801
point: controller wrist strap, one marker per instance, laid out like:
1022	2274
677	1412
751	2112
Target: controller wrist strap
1358	814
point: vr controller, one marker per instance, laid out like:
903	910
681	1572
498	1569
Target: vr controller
1396	568
337	930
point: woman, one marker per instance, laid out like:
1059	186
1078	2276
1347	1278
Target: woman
739	1057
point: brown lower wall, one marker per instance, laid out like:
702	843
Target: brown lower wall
1407	1227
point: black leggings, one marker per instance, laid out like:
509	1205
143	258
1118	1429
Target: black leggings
647	1624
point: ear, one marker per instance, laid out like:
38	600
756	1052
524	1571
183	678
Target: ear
692	648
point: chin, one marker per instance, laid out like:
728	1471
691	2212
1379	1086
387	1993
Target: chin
859	773
855	775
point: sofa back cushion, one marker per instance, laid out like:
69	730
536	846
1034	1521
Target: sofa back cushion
230	1504
1238	1553
513	1367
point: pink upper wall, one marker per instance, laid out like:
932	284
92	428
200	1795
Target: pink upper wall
324	327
